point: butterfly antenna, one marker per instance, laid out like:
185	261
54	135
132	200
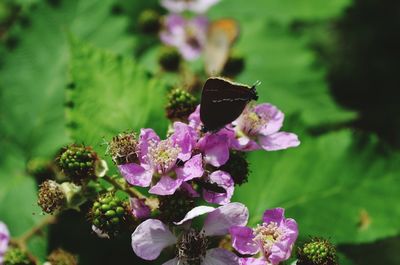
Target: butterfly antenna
257	83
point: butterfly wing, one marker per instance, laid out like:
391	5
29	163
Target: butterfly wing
222	102
221	35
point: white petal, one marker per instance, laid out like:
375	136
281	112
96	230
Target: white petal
197	211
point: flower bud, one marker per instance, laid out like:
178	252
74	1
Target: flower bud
169	59
149	22
61	257
123	148
317	252
234	65
180	105
81	163
237	166
110	215
54	197
174	207
16	256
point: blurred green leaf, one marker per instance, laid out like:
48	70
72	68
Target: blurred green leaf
332	187
111	94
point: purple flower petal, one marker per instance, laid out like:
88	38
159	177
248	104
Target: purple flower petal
242	240
185	137
197	211
194	119
136	175
4	238
190	190
223	180
139	209
174	6
220	256
278	141
244	143
150	238
275	215
215	148
191	169
253	261
166	186
146	136
219	221
274	115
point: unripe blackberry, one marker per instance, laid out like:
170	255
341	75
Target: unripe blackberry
80	163
169	59
54	197
180	105
317	252
16	256
123	148
61	257
110	214
237	166
149	21
174	207
234	65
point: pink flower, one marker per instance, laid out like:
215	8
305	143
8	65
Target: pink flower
258	127
4	240
274	238
152	236
159	161
196	6
188	36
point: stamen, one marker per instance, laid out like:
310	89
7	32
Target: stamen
192	247
266	235
163	155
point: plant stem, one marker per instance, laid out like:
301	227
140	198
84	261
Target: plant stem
129	190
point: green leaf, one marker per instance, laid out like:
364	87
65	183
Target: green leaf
332	187
111	94
283	60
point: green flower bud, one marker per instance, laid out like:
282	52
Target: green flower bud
169	59
111	215
81	163
149	22
61	257
317	252
16	256
237	166
123	148
180	105
234	65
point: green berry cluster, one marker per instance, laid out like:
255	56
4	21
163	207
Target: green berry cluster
169	59
15	256
78	162
317	252
174	207
109	214
237	166
180	105
149	21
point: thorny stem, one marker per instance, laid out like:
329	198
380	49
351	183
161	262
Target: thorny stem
129	190
21	241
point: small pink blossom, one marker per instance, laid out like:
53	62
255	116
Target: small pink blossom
188	36
274	238
4	240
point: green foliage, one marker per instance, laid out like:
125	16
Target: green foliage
111	94
331	186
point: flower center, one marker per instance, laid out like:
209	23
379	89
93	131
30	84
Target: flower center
266	235
251	123
163	155
192	247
